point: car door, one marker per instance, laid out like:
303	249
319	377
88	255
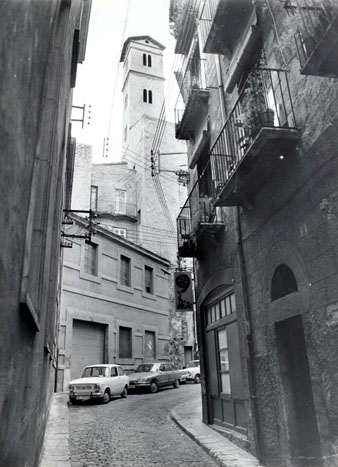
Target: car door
114	381
163	375
171	373
122	379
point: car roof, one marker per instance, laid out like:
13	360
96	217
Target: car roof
101	364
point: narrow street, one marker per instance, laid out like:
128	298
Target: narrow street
136	431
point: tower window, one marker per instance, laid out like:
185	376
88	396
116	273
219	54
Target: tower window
149	60
144	59
150	97
145	95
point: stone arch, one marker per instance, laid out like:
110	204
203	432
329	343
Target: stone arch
283	282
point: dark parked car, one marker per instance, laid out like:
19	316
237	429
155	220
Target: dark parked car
154	376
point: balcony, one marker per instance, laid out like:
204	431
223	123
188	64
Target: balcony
198	217
222	23
192	101
117	211
259	133
315	24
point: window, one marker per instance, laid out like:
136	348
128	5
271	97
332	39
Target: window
120	371
113	371
283	282
125	342
221	309
90	259
147	96
125	133
120	201
223	354
148	279
93	197
121	232
149	345
125	270
144	59
149	60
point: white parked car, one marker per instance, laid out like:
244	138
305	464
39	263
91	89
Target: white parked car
99	382
192	371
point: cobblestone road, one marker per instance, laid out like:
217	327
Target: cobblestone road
136	431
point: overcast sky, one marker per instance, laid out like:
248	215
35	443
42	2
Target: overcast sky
101	71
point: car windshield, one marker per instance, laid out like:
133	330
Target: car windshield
193	364
144	368
95	371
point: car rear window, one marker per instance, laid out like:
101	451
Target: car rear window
93	371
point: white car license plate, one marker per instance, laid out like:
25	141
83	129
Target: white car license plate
82	398
132	386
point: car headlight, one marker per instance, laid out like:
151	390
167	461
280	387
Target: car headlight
96	388
142	380
188	374
71	387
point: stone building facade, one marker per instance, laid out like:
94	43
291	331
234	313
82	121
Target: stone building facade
258	109
115	304
41	45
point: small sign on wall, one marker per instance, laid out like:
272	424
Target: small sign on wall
183	291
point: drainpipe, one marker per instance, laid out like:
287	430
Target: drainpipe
244	283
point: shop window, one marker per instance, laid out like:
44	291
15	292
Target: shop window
283	282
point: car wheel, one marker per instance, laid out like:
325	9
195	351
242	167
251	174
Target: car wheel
176	383
124	393
197	379
106	397
153	387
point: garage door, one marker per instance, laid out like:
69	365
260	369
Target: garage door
87	346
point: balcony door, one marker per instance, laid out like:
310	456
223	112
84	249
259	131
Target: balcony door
120	201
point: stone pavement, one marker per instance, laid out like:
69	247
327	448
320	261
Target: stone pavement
188	416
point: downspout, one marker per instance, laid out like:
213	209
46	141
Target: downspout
244	283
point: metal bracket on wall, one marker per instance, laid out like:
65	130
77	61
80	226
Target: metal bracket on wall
68	220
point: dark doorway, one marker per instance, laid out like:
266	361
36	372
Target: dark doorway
301	415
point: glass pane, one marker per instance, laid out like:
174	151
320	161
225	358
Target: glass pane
224	360
228	307
226	388
209	316
223	313
213	313
222	339
217	311
233	303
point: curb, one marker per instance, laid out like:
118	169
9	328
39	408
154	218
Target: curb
55	451
223	451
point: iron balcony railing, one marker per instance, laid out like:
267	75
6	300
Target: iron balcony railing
206	18
264	101
312	20
197	213
189	83
117	209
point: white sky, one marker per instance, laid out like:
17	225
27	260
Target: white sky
96	77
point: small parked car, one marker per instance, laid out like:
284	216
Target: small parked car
99	382
194	372
154	376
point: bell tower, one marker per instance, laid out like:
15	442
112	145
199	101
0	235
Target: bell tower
143	82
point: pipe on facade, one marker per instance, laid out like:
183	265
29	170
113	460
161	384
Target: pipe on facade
244	284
